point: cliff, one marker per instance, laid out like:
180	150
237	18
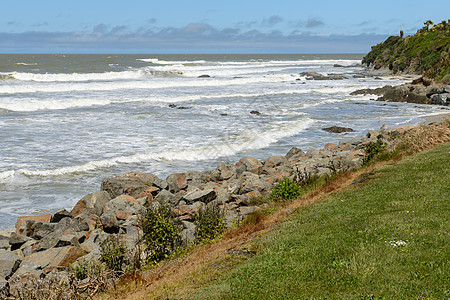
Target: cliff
426	53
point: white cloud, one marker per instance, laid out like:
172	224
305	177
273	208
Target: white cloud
194	37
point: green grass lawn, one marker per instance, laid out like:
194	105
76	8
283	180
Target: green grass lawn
387	238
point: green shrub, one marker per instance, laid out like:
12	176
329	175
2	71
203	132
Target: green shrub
210	223
80	270
113	254
286	189
161	232
373	151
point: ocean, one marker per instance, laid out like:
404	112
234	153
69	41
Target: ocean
69	121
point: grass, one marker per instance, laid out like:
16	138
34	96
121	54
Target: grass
384	239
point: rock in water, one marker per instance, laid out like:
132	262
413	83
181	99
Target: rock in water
337	129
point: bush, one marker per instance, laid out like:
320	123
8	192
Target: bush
113	254
286	189
210	223
161	233
373	151
80	270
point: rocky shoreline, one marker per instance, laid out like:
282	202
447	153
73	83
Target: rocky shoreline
46	245
421	91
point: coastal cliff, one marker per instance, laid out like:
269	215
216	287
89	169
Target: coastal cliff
427	53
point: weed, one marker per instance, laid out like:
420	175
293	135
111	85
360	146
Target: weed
373	151
113	254
161	232
285	189
210	223
80	270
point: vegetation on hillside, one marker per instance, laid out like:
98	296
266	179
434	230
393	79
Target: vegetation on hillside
386	239
426	53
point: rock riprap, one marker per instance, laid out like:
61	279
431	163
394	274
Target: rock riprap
49	243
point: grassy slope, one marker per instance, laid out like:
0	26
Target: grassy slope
344	248
425	53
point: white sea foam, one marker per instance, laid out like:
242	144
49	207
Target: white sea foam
52	104
168	62
26	64
62	77
151	84
252	140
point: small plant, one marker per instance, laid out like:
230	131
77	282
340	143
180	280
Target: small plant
161	233
373	151
286	189
210	223
80	270
113	254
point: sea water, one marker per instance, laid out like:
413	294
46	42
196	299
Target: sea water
69	121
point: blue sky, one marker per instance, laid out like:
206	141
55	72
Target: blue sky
138	26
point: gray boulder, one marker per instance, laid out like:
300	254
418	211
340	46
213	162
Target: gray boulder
59	215
252	182
166	198
4	242
132	184
440	99
443	89
94	203
17	240
204	196
275	161
122	207
37	230
9	262
226	171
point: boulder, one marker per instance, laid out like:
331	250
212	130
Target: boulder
177	182
59	215
122	207
94	203
110	223
337	129
318	76
9	262
245	210
440	99
226	171
252	182
75	225
188	236
4	242
94	241
131	184
21	221
294	152
37	230
255	112
444	89
17	240
251	164
28	270
92	220
55	257
275	161
204	196
166	198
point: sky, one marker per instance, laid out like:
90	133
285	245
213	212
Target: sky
138	26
